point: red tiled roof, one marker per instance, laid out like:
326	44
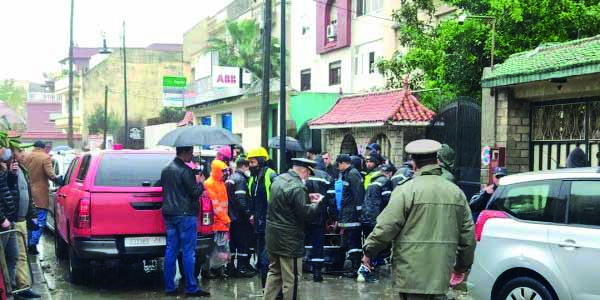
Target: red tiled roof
376	109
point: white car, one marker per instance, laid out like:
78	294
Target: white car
540	238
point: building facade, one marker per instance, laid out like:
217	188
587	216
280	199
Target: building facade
539	105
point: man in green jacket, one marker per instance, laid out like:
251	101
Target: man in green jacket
429	222
290	209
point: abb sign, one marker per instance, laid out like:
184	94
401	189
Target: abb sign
226	77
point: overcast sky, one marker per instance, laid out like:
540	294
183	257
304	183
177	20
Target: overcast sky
35	33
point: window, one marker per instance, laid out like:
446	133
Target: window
252	117
206	121
371	62
335	73
584	204
85	165
227	121
72	167
133	170
365	7
529	201
305	80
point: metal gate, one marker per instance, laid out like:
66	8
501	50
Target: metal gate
558	127
458	124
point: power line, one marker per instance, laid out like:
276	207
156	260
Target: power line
354	11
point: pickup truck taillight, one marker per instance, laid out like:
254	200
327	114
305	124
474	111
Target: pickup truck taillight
82	214
484	217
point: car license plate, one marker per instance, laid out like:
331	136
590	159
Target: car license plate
145	241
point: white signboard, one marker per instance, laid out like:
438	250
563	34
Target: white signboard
226	77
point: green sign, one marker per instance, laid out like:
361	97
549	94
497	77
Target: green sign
174	81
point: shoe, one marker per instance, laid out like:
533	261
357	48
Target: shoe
28	294
198	293
171	294
231	270
33	250
245	272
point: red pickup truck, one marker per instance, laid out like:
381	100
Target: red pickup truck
108	208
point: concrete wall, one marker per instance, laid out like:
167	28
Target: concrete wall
398	138
154	133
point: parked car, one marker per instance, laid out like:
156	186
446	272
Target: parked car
108	208
540	238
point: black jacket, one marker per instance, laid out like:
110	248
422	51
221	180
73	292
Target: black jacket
377	197
181	192
8	198
353	196
323	184
259	201
479	202
237	192
13	184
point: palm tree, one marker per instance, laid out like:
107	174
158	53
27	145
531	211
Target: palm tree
242	47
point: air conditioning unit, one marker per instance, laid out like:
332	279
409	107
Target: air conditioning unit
332	31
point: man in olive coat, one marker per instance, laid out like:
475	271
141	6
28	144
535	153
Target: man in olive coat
429	221
290	209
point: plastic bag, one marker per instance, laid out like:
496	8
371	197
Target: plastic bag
221	255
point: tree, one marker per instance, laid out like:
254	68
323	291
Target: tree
451	57
242	47
171	114
95	122
14	95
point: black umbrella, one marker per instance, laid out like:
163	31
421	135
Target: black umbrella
291	144
199	135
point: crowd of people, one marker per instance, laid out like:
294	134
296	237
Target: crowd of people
258	212
24	192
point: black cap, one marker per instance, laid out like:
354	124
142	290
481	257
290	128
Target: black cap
374	147
343	158
500	172
375	157
39	144
388	168
305	162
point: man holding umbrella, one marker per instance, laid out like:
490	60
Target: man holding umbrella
259	186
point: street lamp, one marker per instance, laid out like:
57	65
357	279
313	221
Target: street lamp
105	50
464	16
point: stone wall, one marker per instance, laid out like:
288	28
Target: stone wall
398	137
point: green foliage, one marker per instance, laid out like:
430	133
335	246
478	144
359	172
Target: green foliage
14	96
95	122
242	47
171	114
451	57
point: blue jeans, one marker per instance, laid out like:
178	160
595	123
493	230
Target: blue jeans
181	233
35	235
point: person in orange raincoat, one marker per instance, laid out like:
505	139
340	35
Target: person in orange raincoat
217	192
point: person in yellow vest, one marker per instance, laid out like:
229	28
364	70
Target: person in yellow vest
259	186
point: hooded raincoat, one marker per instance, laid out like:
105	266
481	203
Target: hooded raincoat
217	192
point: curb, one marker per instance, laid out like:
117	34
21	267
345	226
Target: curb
40	285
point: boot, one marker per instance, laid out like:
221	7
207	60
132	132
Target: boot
231	270
244	268
353	273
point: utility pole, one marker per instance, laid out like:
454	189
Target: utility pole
282	94
266	80
70	104
125	88
105	116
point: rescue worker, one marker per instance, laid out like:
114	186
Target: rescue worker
373	161
429	221
259	186
446	160
239	210
353	195
290	208
217	192
320	183
377	196
405	172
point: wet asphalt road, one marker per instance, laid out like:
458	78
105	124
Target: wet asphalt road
131	282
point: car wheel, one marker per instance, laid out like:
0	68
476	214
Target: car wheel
61	249
77	274
524	288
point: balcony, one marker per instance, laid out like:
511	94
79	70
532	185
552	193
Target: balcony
62	85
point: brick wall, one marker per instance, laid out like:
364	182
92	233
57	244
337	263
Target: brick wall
397	136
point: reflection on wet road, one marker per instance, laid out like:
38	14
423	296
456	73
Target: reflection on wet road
131	282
